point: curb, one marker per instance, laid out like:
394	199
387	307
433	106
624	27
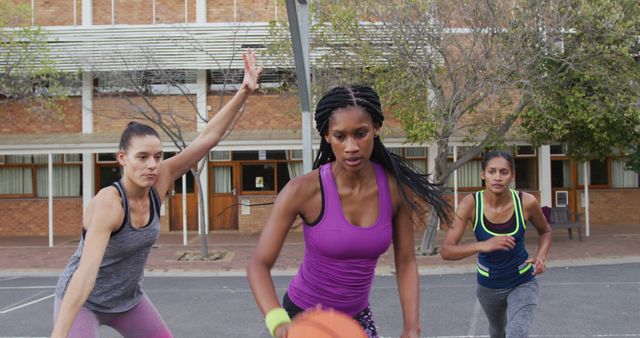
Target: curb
383	270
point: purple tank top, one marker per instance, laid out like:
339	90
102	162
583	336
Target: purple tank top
340	258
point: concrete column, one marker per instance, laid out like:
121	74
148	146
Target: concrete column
200	124
544	175
201	11
87	12
87	128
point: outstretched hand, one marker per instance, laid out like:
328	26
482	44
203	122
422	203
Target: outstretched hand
251	71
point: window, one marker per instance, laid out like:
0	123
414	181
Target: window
108	174
157	81
258	177
560	173
245	155
522	151
177	187
295	154
106	158
219	156
557	149
417	156
526	173
265	171
598	171
468	175
28	176
621	178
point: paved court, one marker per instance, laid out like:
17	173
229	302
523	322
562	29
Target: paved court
586	301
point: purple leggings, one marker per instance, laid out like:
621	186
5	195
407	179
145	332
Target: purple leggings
142	321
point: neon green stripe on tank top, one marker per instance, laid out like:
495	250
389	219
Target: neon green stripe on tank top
482	272
516	207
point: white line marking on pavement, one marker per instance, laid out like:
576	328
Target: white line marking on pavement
474	318
27	304
26	288
9	278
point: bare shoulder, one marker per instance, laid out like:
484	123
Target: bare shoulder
467	205
105	209
529	201
304	186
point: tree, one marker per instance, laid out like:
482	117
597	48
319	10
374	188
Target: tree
593	103
27	72
471	71
447	70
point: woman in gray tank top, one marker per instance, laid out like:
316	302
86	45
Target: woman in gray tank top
101	284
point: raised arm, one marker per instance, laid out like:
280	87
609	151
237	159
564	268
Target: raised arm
534	213
104	215
406	268
213	132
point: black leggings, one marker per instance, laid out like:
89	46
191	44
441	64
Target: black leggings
364	317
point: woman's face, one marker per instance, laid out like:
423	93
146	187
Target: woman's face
141	161
497	175
351	134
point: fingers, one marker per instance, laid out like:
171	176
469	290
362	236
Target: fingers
249	58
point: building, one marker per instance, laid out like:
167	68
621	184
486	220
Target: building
199	42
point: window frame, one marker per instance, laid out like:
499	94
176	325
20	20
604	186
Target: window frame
34	175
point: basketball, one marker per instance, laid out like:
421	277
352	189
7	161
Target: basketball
325	323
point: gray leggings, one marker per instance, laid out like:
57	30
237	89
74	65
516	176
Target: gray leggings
510	311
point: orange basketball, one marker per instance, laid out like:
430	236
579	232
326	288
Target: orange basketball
323	323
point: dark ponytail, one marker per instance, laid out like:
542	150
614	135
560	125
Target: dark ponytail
405	173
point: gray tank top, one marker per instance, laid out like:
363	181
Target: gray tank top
118	286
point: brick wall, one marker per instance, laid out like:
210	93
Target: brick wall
265	112
172	11
612	206
57	12
16	119
246	11
111	114
255	10
254	221
29	217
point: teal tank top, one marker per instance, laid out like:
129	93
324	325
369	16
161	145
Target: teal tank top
502	269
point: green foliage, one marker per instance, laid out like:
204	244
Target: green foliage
27	73
590	98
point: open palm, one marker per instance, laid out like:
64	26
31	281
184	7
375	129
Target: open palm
251	72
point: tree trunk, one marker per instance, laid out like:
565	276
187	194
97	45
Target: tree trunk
204	247
427	246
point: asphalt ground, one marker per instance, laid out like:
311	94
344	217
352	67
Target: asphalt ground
576	301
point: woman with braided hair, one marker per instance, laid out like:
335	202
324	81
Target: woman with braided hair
356	201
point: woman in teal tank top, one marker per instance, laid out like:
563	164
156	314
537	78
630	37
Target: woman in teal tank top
507	285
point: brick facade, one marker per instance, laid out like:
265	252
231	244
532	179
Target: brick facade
612	206
111	114
29	217
264	112
16	119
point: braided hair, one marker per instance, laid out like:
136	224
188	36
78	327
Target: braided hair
404	172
